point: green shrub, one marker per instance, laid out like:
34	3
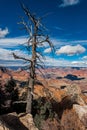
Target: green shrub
42	110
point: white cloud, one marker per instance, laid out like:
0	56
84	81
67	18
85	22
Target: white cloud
6	54
55	62
84	57
69	3
64	63
12	63
12	42
71	50
7	59
79	63
3	32
48	50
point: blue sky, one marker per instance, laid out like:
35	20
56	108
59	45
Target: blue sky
67	27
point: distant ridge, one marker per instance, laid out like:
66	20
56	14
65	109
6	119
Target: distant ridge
45	67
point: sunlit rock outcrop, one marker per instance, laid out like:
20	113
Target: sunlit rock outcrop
75	118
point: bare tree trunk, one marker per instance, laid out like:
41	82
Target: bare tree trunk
32	78
29	95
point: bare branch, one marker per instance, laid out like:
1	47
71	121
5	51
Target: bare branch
38	57
29	15
38	53
26	27
41	66
32	18
30	40
22	58
49	42
40	71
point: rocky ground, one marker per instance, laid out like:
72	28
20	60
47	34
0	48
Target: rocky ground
65	88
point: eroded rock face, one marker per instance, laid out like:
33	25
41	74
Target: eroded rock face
70	92
63	91
74	91
75	118
27	120
51	125
3	126
12	121
81	111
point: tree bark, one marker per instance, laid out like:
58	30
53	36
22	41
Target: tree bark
32	78
30	96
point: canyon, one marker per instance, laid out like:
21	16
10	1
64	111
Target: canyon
65	88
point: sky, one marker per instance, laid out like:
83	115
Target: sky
66	23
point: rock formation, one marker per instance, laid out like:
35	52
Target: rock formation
68	98
12	121
75	118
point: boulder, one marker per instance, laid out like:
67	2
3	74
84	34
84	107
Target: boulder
50	124
3	126
73	91
11	121
27	120
75	118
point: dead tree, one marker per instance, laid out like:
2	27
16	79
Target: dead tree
36	38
